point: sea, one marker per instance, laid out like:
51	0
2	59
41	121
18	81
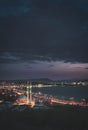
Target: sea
77	93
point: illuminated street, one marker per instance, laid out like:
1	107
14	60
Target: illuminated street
51	100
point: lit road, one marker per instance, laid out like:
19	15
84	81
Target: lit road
52	99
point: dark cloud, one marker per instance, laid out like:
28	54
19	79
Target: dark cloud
53	30
7	57
86	68
50	66
27	66
14	7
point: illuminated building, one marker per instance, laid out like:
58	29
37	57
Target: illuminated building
30	102
30	92
27	93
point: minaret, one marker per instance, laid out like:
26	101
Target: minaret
30	92
30	102
27	93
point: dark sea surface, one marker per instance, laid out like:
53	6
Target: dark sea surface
78	93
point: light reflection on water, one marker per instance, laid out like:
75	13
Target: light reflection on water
77	93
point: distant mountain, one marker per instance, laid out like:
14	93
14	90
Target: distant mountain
41	80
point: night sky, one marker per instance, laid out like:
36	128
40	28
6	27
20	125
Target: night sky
43	39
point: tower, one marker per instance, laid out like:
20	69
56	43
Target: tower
30	92
30	101
27	93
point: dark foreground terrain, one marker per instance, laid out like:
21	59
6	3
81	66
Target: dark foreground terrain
63	118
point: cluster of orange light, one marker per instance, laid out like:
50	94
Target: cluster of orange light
68	102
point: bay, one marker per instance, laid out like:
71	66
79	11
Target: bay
78	93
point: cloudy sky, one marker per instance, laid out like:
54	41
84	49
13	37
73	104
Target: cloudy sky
43	39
